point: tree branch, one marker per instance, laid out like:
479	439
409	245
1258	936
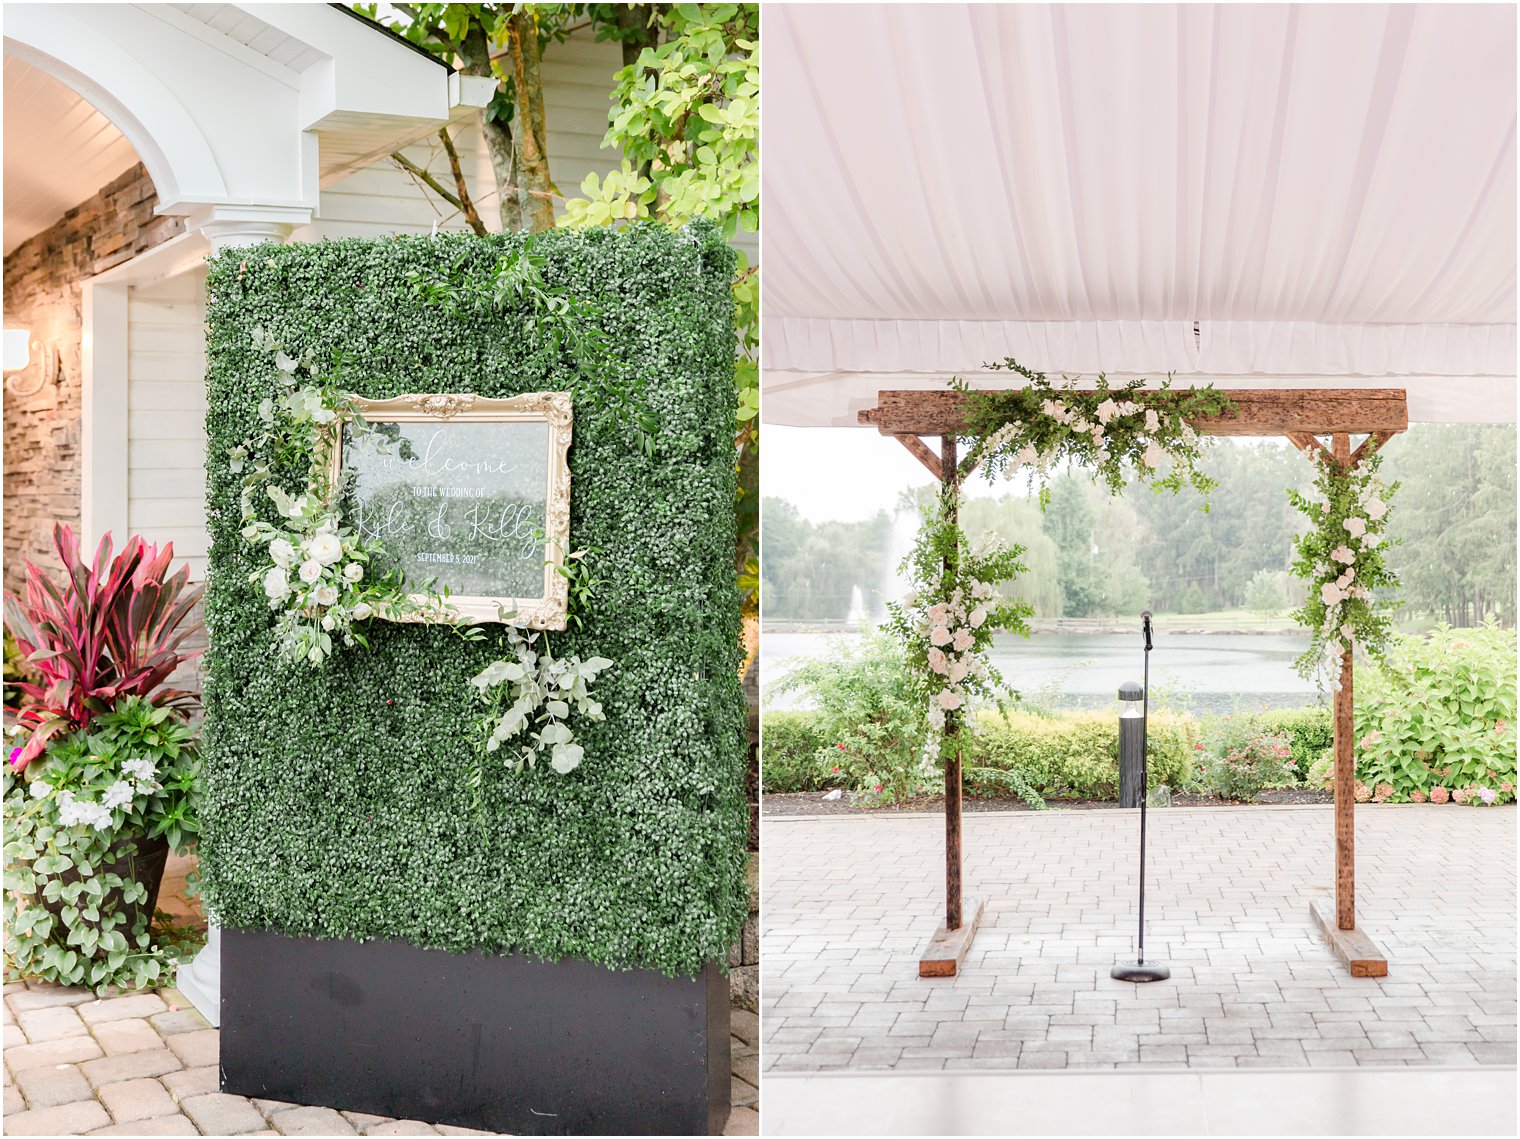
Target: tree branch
466	206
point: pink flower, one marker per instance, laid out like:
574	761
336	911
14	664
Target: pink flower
963	640
939	635
1439	794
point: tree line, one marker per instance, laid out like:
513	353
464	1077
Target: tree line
1092	555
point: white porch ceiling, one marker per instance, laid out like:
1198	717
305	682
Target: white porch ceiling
59	151
1252	195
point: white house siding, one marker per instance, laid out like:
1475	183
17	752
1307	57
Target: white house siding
166	415
166	365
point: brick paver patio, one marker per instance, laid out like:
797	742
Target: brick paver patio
147	1065
847	903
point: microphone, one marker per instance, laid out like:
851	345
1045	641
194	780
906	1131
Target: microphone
1145	621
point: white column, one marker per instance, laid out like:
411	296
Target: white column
229	227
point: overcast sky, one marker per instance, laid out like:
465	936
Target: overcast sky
847	474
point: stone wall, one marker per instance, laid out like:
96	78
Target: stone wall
42	294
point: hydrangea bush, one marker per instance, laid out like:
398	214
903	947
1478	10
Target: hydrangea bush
342	801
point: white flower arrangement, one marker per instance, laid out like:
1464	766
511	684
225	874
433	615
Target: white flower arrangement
946	620
1341	559
1117	432
532	694
317	574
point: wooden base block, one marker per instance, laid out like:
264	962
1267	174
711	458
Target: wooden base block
1360	953
947	948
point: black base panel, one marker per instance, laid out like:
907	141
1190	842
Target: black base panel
508	1044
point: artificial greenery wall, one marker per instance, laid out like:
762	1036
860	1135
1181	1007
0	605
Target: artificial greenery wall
337	800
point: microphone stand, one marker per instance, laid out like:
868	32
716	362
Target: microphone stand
1140	971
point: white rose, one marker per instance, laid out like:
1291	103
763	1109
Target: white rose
963	640
283	553
978	616
362	611
1324	508
1107	410
1343	554
1356	527
939	635
324	547
1372	541
328	624
1154	453
1330	593
1376	508
958	671
353	571
938	612
1152	420
326	595
1027	454
310	571
938	662
1097	435
949	701
276	584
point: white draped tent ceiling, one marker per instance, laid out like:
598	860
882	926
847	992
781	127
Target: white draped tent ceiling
1252	196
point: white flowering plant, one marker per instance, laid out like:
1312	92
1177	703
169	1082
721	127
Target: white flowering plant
532	695
82	824
1341	557
1117	432
946	621
317	574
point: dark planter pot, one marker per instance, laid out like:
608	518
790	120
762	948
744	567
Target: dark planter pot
136	859
509	1044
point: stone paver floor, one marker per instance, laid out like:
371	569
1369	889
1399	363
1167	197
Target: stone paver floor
847	904
146	1064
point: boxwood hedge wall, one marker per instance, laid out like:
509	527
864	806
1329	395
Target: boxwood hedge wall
336	801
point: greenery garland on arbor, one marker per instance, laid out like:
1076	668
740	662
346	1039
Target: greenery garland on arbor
1117	432
1341	558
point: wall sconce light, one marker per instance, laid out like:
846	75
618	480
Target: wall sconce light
19	352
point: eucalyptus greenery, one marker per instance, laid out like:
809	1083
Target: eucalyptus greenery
1117	432
531	693
97	798
1341	557
339	800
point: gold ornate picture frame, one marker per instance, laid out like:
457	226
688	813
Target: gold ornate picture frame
462	503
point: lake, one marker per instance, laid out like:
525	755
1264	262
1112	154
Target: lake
1205	673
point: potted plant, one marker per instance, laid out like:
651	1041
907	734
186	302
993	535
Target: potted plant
101	781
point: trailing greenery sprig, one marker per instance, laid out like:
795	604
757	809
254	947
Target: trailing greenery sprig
946	620
558	320
1115	431
1341	558
317	574
96	799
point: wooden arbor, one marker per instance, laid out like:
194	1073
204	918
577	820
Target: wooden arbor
1303	416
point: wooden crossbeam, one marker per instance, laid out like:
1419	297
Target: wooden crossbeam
920	451
1268	411
1307	443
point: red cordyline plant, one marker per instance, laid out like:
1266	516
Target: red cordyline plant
105	629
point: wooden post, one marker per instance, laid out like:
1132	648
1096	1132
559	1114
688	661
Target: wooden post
1345	767
950	481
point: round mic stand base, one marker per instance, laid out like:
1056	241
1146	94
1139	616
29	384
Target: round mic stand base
1127	971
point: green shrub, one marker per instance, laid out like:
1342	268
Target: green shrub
1244	759
867	717
1076	756
1436	720
1309	730
789	745
338	801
